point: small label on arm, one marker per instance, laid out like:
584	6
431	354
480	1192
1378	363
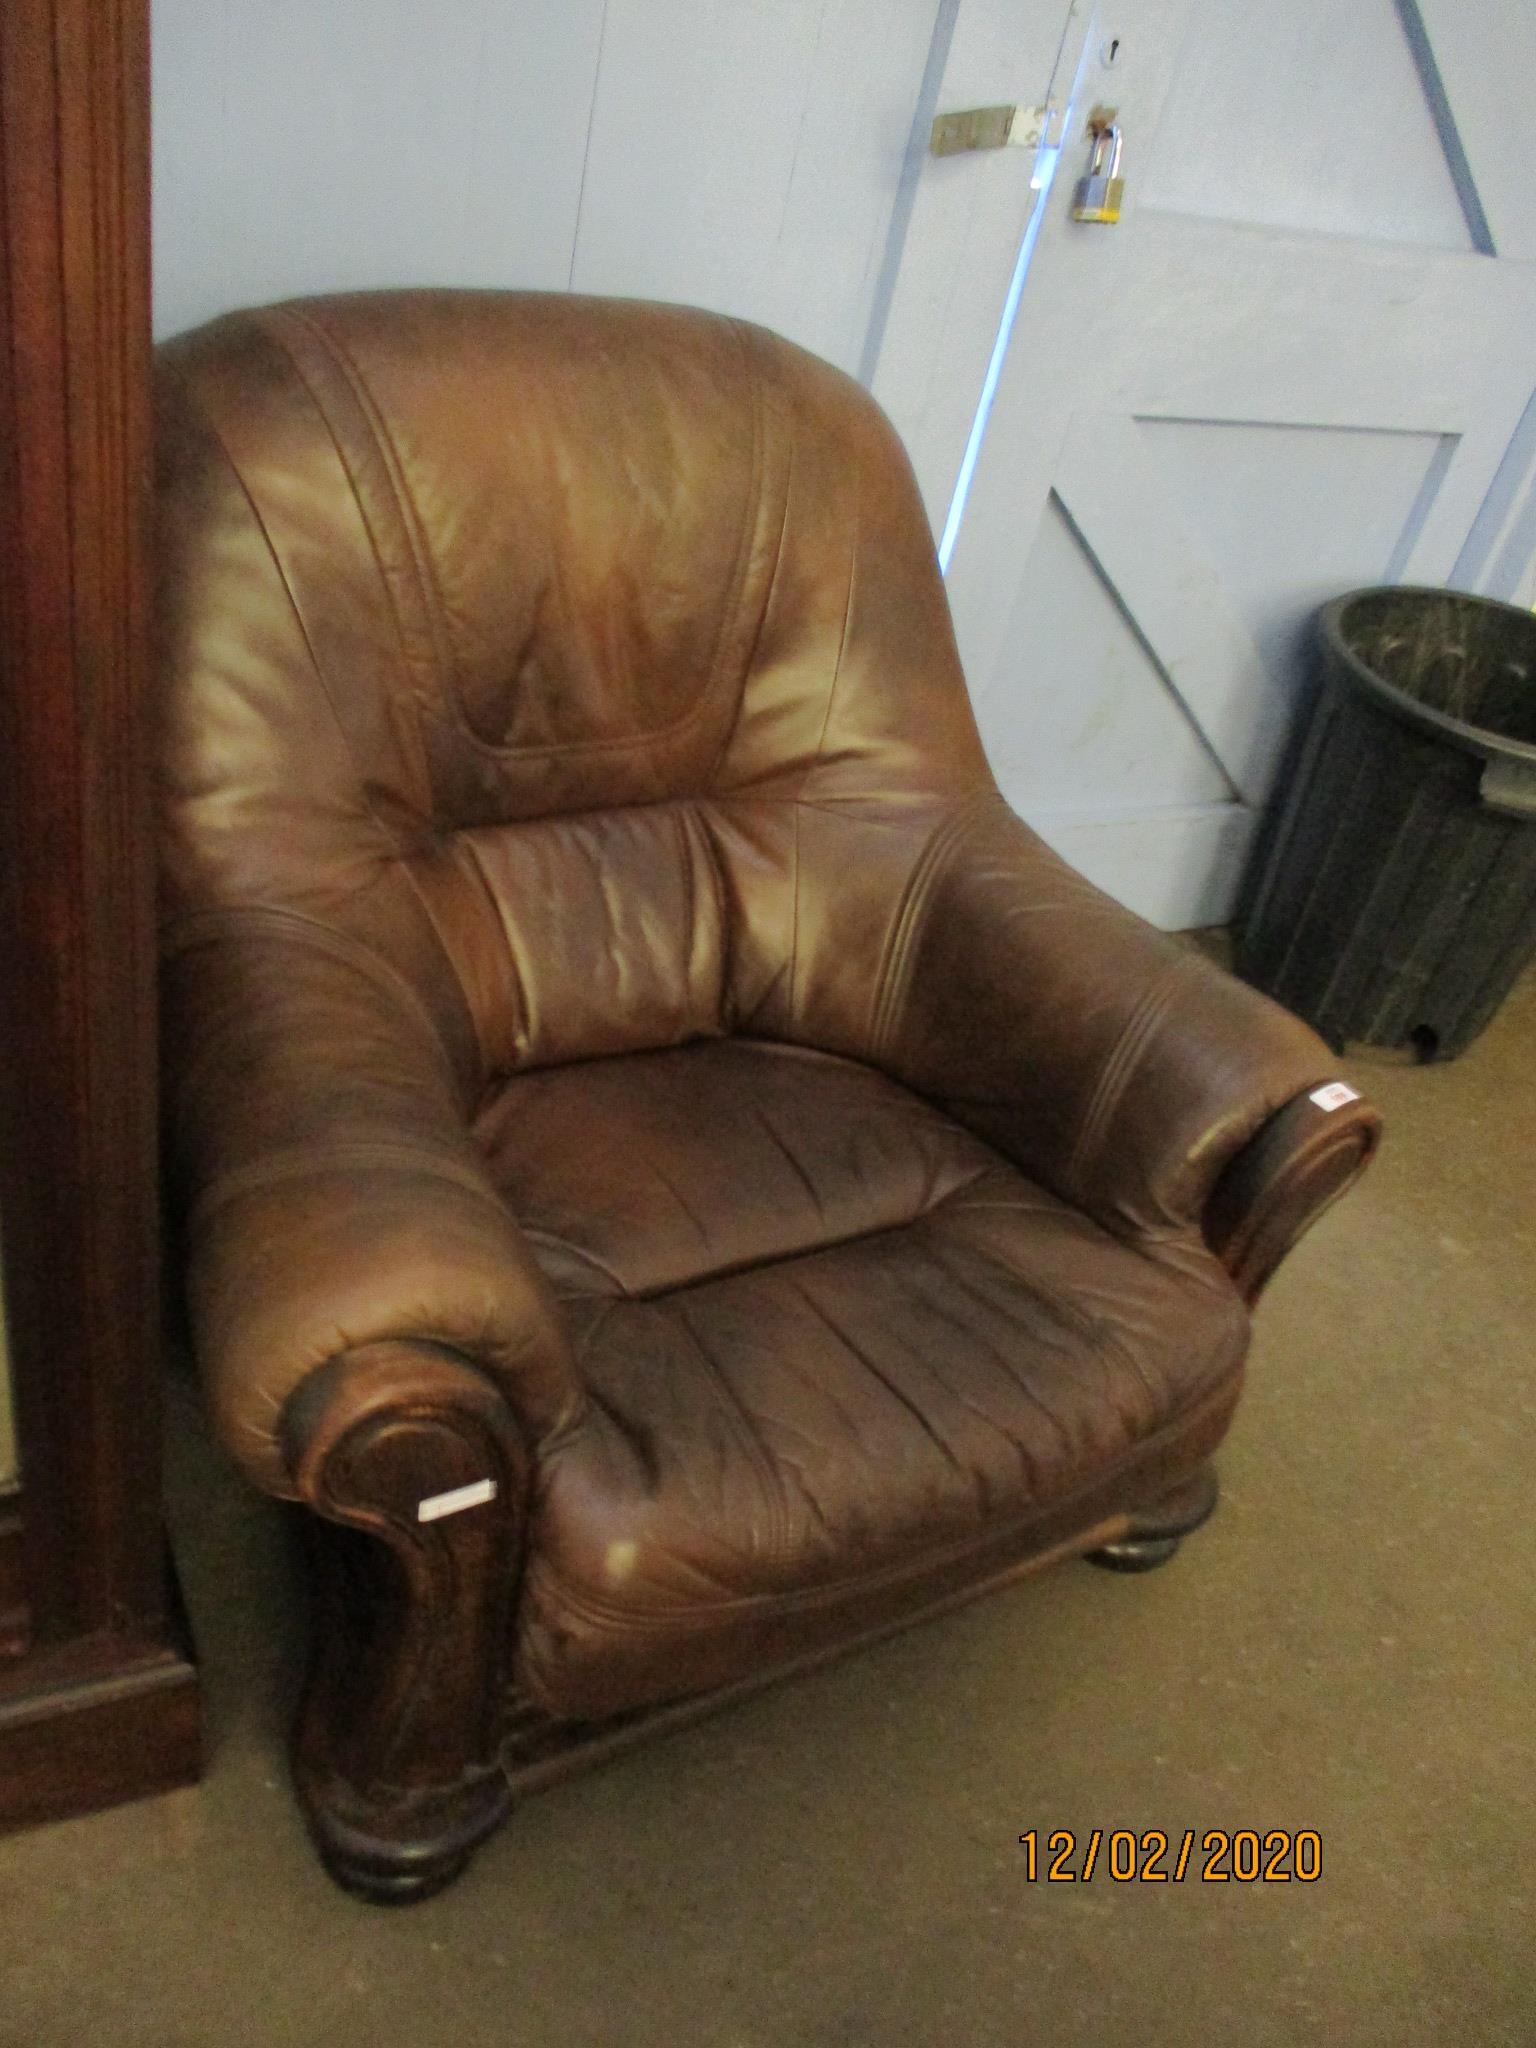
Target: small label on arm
1334	1095
475	1495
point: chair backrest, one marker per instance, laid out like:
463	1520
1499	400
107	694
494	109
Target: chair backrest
573	655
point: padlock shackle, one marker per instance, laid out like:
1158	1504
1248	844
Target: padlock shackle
1109	139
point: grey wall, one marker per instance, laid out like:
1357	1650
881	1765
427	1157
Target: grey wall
743	154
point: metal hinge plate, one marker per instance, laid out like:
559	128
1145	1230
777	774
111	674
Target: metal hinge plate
1012	127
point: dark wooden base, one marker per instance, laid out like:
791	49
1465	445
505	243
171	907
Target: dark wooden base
396	1850
1156	1533
394	1856
1144	1555
94	1722
397	1752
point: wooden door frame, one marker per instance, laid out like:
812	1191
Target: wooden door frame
101	1703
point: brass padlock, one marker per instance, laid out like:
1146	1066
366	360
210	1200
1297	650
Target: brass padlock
1098	195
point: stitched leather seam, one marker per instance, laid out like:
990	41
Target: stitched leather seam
585	1340
559	748
821	740
750	1434
320	1161
1142	1238
584	1604
1115	1072
566	1247
890	980
428	595
267	323
334	371
1120	1067
747	340
794	916
883	1380
725	997
734	1269
962	1399
522	1025
1089	1328
298	619
842	645
453	978
330	366
728	799
690	909
685	862
232	921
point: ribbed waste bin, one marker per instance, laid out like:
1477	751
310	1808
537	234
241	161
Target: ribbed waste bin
1393	901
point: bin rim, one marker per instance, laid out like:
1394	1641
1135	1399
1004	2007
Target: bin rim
1470	739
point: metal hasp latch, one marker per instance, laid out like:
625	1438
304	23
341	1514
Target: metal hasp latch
1098	195
991	128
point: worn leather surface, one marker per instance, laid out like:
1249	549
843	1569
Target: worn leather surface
594	943
827	1335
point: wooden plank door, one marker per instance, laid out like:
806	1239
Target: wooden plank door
762	157
740	154
747	157
1302	361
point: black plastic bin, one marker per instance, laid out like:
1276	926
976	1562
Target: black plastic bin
1393	900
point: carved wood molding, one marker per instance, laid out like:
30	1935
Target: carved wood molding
415	1457
77	1107
78	1104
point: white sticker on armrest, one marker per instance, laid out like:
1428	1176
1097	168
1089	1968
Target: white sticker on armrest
475	1495
1334	1095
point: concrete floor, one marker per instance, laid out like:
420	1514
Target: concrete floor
1348	1647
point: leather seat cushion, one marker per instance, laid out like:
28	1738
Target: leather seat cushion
829	1337
649	1171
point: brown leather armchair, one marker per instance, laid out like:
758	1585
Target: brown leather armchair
676	1176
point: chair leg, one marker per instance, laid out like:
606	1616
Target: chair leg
399	1780
396	1753
1155	1533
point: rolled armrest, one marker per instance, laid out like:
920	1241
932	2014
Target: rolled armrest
1120	1069
333	1197
1282	1180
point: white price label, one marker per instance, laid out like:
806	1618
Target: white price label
475	1495
1334	1095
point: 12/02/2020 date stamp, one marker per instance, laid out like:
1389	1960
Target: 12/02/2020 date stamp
1217	1856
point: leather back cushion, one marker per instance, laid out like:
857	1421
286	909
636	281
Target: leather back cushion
520	637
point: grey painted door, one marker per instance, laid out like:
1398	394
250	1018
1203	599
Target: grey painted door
750	155
1303	360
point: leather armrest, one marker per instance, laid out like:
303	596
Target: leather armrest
333	1197
1282	1180
1122	1070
